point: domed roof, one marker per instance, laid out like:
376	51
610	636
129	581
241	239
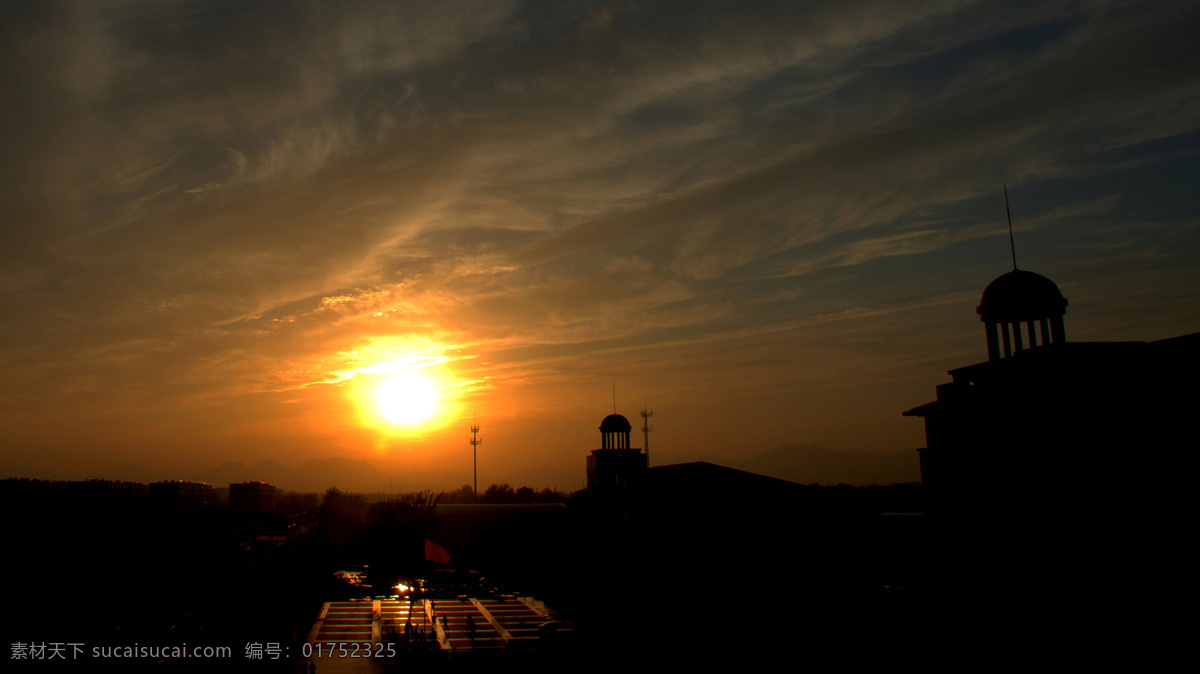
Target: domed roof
1020	296
615	423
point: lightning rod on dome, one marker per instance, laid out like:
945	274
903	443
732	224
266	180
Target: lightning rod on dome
1012	246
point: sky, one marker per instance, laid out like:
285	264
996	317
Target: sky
224	225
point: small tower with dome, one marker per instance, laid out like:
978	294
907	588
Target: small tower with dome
611	467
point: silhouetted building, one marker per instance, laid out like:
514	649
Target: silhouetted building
1053	470
181	495
1044	422
113	492
676	540
76	494
613	465
252	497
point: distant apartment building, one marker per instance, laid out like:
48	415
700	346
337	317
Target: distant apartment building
109	492
74	493
252	497
182	496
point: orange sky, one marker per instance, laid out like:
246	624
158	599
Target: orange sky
772	223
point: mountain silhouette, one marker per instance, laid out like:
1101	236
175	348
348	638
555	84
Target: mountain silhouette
807	464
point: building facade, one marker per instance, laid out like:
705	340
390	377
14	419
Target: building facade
252	497
180	495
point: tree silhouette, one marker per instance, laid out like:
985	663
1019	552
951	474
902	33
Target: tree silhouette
394	538
499	493
340	519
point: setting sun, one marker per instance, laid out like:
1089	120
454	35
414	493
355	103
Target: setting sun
406	399
401	388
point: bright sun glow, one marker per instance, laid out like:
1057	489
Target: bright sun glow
402	390
406	399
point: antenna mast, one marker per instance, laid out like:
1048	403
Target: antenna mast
1011	245
475	442
646	428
